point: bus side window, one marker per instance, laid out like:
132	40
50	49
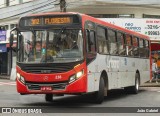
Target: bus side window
121	44
146	48
112	40
135	46
103	44
129	45
141	48
91	43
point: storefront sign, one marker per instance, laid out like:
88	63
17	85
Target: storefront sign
2	35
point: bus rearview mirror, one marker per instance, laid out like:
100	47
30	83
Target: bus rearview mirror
11	39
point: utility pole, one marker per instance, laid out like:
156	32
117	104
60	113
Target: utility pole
63	5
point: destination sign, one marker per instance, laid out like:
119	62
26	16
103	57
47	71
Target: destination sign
48	20
62	20
35	21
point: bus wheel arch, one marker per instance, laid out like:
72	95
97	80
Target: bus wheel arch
135	88
102	91
105	78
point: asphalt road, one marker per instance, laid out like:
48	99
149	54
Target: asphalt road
116	99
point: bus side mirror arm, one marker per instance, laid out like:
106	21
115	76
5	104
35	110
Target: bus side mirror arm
11	39
88	40
12	36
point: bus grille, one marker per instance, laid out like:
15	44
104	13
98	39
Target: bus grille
47	68
55	86
53	69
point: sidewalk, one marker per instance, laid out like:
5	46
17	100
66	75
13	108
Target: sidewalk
151	84
6	77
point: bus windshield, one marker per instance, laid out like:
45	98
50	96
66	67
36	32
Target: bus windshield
59	45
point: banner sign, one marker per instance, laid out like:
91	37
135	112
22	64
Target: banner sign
38	110
149	27
3	48
2	35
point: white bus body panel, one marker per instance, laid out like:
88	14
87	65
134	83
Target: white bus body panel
121	71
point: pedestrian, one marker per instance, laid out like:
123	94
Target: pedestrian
154	71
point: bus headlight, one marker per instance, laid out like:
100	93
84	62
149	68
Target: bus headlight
20	78
76	76
72	78
18	75
79	74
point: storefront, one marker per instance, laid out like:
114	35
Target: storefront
4	53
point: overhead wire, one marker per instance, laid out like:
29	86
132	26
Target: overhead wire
31	10
75	2
68	3
40	7
28	7
41	3
6	3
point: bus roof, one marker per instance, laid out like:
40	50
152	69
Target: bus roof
98	21
52	13
115	27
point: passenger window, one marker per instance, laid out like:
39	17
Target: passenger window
121	44
141	48
91	44
103	44
146	48
113	43
135	46
129	45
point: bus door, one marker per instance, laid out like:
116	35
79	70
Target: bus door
91	54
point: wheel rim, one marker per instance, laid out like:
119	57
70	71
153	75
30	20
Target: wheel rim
137	84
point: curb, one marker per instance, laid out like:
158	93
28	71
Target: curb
4	77
151	84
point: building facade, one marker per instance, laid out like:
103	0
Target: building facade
12	10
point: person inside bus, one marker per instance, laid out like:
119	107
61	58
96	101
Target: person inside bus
48	57
60	42
67	41
154	70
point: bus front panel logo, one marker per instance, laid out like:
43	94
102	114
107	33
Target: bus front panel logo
45	78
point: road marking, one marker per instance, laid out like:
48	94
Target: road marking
7	83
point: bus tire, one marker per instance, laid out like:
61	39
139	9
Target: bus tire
49	97
134	89
99	95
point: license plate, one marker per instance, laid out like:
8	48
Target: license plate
46	88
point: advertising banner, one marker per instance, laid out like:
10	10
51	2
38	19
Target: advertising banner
149	27
3	48
2	35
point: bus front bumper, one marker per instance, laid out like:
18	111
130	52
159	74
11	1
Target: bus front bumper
76	87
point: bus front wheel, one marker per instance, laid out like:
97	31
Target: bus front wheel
49	97
99	95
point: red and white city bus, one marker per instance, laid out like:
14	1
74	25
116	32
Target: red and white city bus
72	53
